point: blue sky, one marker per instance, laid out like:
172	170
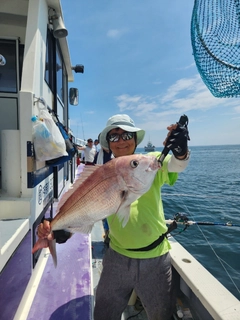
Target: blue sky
138	60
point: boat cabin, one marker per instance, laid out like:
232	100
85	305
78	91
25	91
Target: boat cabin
35	72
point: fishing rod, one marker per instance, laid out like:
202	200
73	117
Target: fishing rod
182	219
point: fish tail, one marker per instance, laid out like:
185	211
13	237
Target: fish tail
52	248
45	243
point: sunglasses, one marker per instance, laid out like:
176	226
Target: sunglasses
114	137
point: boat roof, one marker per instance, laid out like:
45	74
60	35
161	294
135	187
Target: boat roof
56	4
15	13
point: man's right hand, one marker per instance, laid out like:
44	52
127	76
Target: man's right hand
44	235
44	230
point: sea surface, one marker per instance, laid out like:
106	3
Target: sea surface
209	190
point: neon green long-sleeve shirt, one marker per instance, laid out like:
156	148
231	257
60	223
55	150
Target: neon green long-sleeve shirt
146	222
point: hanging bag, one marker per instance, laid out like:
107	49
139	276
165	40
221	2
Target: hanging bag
70	147
47	139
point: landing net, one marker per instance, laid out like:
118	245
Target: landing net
215	35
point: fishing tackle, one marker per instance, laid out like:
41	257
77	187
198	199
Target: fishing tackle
181	218
181	129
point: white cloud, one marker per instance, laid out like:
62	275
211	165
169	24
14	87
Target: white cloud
192	65
237	109
183	96
139	104
90	112
189	84
157	82
192	94
116	33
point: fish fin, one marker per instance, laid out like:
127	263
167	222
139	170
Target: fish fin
87	171
52	248
124	215
83	229
45	243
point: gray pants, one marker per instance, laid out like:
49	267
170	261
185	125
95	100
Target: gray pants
150	278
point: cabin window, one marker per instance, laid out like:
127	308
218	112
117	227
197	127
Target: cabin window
21	54
56	77
8	72
49	71
59	71
65	86
55	71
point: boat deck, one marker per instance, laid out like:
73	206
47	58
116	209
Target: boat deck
63	292
67	292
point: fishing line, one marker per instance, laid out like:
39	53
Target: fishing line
197	196
82	126
220	260
223	261
135	315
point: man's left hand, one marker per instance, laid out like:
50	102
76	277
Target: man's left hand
177	140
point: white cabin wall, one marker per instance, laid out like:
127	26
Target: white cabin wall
17	7
33	83
10	32
32	190
28	21
17	18
12	27
10	167
35	47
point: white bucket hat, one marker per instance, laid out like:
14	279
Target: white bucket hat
124	122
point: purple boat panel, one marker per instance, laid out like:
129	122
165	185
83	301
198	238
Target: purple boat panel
14	279
65	292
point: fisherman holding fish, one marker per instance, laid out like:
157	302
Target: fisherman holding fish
138	256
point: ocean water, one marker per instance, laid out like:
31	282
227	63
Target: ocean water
209	190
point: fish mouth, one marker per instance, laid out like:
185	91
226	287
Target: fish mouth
155	165
152	169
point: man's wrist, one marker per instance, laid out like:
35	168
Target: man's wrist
184	157
61	236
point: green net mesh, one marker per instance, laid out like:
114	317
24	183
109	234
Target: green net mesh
215	35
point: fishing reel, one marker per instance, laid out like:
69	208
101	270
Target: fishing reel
181	217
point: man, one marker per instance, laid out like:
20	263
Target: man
89	152
138	256
96	142
103	155
129	263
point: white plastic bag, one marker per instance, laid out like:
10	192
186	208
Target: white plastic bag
47	138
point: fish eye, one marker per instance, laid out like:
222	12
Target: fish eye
134	163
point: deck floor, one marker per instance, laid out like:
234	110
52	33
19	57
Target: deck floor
65	292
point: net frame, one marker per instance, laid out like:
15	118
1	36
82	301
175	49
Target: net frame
215	37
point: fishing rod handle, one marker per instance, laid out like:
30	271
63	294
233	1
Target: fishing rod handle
169	221
203	223
183	121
